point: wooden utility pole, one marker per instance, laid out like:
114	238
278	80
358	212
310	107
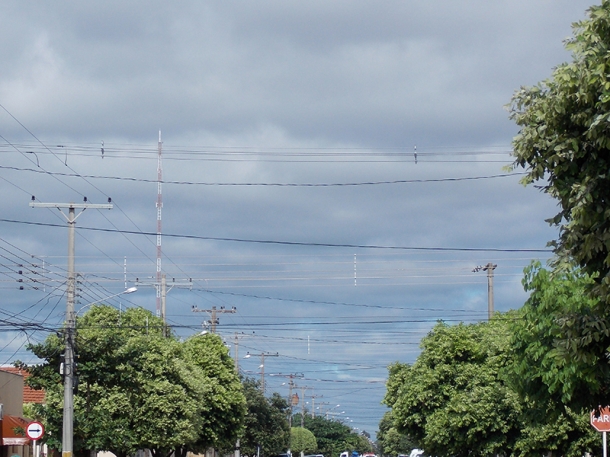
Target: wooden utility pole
262	355
489	268
293	400
313	405
68	368
303	389
162	289
237	337
290	386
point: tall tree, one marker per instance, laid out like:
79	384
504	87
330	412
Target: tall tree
266	424
558	316
224	405
480	390
451	401
101	334
390	441
332	436
564	141
137	389
558	388
159	399
302	440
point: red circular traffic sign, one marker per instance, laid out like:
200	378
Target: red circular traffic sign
601	421
34	431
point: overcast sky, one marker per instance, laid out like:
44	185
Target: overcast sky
292	190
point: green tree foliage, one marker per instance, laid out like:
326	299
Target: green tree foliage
302	440
224	404
559	388
567	435
451	401
266	423
157	405
564	142
332	436
558	345
390	441
481	390
137	389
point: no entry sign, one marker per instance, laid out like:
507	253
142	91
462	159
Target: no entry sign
34	431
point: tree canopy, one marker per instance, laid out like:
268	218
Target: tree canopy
224	404
561	346
334	437
559	343
559	384
302	440
451	400
390	441
564	141
266	423
138	389
460	398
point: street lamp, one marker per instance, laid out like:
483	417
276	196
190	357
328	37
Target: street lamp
68	412
329	410
125	292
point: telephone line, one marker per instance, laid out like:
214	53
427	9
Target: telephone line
277	242
272	184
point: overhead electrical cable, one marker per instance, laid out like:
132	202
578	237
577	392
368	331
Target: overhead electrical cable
288	243
76	174
272	184
285	154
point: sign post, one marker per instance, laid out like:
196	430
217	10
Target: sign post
601	423
34	431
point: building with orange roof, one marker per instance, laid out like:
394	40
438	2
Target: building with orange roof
29	395
13	440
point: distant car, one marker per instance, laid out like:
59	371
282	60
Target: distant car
416	453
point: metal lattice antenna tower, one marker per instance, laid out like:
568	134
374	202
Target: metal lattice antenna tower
159	206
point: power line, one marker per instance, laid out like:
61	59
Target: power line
268	184
288	243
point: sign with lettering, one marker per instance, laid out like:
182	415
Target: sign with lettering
601	421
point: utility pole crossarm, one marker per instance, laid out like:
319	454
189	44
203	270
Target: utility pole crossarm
213	312
72	205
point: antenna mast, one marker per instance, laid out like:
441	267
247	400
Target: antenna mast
159	206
